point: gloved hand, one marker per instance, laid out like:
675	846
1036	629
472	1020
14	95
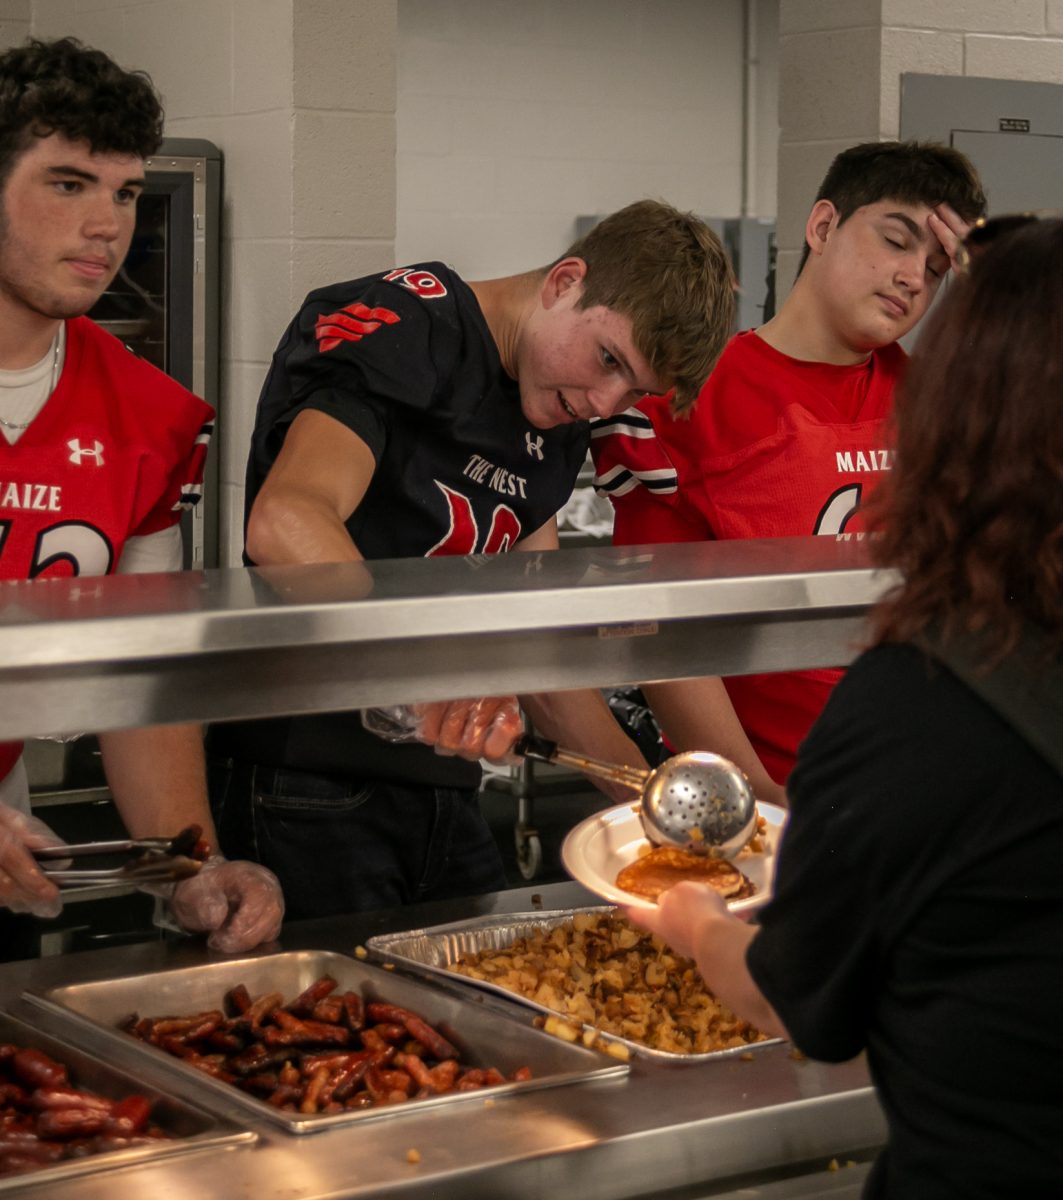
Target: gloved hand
23	887
241	902
483	728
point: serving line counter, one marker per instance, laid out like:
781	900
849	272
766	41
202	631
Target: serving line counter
108	653
763	1127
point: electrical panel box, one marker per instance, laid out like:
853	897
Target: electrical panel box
1012	130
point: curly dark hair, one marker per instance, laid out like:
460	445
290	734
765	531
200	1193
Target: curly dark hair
65	87
972	513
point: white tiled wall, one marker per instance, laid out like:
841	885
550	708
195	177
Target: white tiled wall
515	117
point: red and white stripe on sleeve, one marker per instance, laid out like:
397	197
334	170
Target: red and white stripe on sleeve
628	454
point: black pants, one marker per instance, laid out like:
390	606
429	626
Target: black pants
346	845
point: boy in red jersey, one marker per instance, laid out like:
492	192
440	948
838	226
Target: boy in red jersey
100	451
789	432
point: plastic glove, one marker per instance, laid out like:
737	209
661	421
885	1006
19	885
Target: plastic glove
482	728
241	902
23	887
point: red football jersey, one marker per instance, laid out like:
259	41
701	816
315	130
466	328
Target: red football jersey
775	447
117	451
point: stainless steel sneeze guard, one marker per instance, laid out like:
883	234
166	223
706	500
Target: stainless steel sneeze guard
132	650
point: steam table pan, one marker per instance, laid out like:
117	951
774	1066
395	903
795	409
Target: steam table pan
434	950
484	1036
190	1128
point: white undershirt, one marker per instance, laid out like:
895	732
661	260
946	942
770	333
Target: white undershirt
23	394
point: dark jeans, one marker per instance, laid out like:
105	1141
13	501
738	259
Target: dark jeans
342	845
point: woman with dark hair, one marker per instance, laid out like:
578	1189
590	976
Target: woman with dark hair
918	906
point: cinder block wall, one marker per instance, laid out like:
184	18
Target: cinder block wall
15	18
840	63
300	97
515	118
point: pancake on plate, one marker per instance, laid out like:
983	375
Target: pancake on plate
665	866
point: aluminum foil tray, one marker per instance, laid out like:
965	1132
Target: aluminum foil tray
485	1036
190	1128
435	949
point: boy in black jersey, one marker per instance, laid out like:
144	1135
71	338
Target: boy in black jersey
410	414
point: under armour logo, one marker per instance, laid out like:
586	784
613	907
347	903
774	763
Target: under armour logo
535	445
79	452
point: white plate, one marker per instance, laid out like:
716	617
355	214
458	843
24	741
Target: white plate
597	849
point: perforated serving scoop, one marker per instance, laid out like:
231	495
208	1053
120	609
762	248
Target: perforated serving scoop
695	800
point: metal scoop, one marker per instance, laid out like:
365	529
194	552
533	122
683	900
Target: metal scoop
695	800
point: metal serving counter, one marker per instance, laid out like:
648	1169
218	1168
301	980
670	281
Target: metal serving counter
108	653
763	1128
97	654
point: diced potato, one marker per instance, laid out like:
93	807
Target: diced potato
561	1029
656	975
597	970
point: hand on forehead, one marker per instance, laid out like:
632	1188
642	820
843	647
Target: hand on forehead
939	230
950	229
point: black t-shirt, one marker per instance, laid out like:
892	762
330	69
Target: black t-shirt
406	361
918	914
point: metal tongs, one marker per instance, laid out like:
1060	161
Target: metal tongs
158	860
